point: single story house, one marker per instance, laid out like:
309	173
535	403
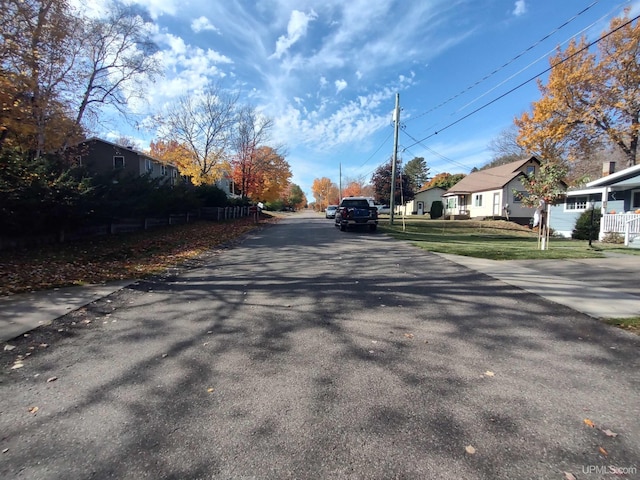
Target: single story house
421	203
617	194
490	193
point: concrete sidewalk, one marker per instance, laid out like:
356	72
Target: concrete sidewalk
602	288
24	312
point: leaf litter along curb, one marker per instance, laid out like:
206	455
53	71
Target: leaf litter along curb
118	257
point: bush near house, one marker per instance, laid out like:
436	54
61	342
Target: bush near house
437	209
583	225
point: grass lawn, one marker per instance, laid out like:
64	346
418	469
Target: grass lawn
632	324
494	240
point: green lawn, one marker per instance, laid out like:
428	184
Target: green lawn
495	240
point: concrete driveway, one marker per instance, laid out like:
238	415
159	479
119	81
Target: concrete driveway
306	352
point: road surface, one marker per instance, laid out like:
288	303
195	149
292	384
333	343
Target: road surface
310	353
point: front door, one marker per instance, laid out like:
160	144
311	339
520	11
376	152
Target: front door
497	211
420	208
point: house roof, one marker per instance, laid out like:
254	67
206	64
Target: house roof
131	149
429	188
490	179
628	177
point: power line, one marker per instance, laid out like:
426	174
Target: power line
489	75
495	87
508	92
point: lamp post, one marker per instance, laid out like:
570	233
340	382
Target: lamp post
592	207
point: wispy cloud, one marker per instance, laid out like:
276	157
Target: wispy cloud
340	85
297	28
520	8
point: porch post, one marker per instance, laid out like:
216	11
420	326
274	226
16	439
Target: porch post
603	211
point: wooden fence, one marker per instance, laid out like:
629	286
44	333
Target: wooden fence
125	225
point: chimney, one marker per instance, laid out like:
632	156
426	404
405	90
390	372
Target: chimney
608	168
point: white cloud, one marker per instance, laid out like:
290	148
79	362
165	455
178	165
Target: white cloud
520	8
323	82
202	24
297	28
340	85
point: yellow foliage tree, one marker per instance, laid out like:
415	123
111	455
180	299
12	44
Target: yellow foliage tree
324	191
271	174
590	101
171	152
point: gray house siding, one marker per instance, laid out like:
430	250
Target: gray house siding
100	157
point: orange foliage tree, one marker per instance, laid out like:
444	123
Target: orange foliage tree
591	101
323	191
265	174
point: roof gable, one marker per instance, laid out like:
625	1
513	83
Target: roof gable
492	178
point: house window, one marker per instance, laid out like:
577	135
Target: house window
531	170
118	162
149	165
576	203
635	199
164	169
519	196
452	202
478	200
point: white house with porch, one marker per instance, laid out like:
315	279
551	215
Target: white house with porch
617	194
492	193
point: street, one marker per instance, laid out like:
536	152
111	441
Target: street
310	353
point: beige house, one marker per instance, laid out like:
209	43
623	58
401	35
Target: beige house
421	203
490	193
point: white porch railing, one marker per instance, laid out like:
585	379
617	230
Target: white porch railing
625	223
632	227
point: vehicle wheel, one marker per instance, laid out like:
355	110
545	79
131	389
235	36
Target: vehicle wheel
373	228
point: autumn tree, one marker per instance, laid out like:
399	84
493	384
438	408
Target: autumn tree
546	188
203	125
37	56
417	172
251	131
171	152
444	180
590	100
294	197
323	189
354	188
271	174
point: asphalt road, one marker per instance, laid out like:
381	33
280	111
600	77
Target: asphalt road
310	353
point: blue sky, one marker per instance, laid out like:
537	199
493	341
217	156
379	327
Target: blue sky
327	72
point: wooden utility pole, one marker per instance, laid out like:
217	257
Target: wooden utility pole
396	120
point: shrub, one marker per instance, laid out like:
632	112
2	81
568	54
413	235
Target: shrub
613	237
437	209
583	225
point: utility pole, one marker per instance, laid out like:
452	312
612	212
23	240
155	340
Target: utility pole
340	188
396	120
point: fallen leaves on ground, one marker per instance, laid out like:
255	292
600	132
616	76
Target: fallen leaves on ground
115	257
589	423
